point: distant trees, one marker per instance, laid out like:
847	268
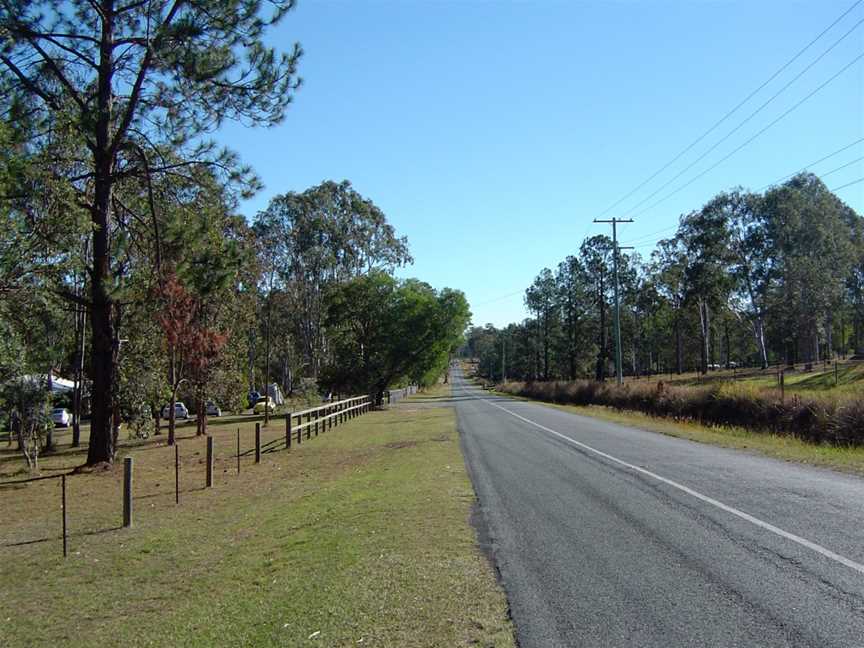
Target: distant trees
748	278
387	332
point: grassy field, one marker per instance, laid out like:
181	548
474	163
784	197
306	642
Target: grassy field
822	380
357	537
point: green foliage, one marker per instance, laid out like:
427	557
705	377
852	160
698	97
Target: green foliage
747	279
387	331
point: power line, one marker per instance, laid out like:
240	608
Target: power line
640	243
848	184
734	110
812	164
714	146
497	299
753	137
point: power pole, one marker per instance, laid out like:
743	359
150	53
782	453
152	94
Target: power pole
503	360
615	249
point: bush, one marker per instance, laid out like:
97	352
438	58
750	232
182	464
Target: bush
813	420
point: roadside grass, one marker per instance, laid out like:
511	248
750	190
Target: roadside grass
845	459
360	537
816	383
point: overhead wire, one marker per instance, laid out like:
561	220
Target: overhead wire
733	110
764	105
753	137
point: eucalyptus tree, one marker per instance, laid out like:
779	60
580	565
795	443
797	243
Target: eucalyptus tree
316	239
704	235
811	240
140	84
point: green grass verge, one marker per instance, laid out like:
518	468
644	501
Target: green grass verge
357	538
787	448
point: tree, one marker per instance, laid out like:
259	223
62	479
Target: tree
386	331
140	84
596	256
313	240
540	299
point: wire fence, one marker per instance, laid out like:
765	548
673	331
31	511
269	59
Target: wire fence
39	509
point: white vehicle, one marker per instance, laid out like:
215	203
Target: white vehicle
61	417
180	411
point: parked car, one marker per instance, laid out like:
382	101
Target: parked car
212	409
61	417
264	402
733	364
180	411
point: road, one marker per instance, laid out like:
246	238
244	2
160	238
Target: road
606	535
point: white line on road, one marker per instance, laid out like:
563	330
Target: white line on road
804	542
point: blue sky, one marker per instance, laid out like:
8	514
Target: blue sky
492	133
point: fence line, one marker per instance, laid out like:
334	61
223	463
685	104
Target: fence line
317	421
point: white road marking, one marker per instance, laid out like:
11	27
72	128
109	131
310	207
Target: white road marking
804	542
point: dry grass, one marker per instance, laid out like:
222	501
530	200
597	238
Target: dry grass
830	420
359	535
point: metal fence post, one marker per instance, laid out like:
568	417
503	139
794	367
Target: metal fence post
238	450
209	483
63	497
176	473
257	443
127	492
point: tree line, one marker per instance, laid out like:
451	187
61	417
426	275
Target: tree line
749	279
125	264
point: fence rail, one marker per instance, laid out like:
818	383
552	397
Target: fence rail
317	420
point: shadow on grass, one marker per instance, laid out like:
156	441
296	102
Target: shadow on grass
58	538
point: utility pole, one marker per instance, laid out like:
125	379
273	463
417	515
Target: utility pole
615	250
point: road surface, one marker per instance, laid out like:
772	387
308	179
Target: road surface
606	535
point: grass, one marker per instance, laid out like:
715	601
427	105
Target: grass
360	537
786	448
818	382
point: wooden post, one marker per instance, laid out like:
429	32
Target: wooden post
288	431
209	482
63	498
782	385
299	429
329	417
317	413
176	473
257	443
308	425
238	450
127	492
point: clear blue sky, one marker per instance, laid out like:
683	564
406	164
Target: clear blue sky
491	133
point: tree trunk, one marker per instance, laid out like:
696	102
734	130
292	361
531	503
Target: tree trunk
679	347
172	381
705	332
601	355
104	344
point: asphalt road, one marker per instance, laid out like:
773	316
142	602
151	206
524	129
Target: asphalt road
606	535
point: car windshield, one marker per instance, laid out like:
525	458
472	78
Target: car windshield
59	410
